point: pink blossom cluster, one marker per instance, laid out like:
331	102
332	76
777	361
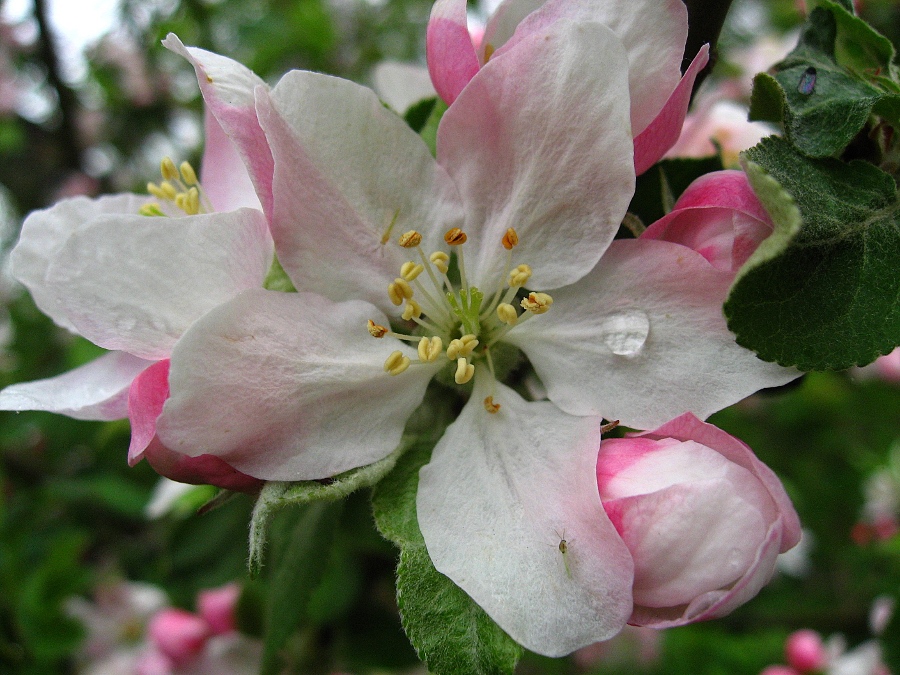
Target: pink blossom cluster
808	654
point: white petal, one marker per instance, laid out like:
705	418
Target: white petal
95	391
288	386
401	84
539	140
223	173
642	339
135	283
345	169
499	494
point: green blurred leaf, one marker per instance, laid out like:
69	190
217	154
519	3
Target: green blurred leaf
830	298
673	175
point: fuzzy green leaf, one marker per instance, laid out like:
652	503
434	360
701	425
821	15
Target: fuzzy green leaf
826	295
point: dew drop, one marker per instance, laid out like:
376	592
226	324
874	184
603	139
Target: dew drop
625	332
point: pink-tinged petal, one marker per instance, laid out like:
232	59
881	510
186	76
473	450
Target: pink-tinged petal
228	90
652	34
642	339
217	606
350	178
400	85
288	386
728	189
146	397
202	470
451	55
688	427
135	283
223	173
540	141
95	391
503	23
500	493
805	650
178	634
653	140
45	232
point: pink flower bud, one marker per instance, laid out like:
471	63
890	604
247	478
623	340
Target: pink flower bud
703	518
778	670
179	634
805	651
718	216
217	607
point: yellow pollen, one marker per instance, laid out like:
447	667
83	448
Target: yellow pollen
510	239
396	363
412	310
464	371
519	276
156	191
410	270
188	173
440	260
430	348
537	303
410	239
488	52
490	406
455	237
151	210
192	202
168	169
462	347
507	314
168	190
399	291
375	330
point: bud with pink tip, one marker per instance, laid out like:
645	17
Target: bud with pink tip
805	651
217	607
703	518
179	634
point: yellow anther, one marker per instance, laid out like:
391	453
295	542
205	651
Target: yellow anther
430	348
455	237
507	314
188	173
410	270
537	303
375	330
440	260
510	239
413	310
490	406
519	276
464	371
396	363
168	190
180	199
168	169
488	52
462	347
156	191
192	202
399	290
410	239
151	210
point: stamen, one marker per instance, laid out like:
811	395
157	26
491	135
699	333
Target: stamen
507	314
430	348
156	191
396	363
510	239
412	310
410	270
519	276
399	290
462	347
488	52
375	330
168	190
386	237
490	406
455	237
440	260
192	202
464	371
151	210
188	174
168	169
410	239
537	303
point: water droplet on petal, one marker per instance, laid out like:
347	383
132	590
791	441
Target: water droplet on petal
625	332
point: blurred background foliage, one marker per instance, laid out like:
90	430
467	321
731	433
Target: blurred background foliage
72	514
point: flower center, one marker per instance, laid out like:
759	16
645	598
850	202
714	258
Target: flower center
458	321
179	187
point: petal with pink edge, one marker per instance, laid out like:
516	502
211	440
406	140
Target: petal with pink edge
228	90
504	21
288	386
45	232
223	173
451	55
652	32
350	178
500	493
642	339
540	141
653	140
175	270
201	470
97	390
146	397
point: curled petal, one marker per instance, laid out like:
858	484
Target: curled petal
200	470
451	55
223	172
500	494
146	397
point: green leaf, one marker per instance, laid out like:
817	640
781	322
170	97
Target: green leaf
394	498
668	176
826	295
429	131
277	279
299	563
419	113
452	635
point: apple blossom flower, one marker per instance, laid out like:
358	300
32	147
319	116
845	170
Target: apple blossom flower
652	34
720	217
805	651
217	606
703	518
179	634
524	199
